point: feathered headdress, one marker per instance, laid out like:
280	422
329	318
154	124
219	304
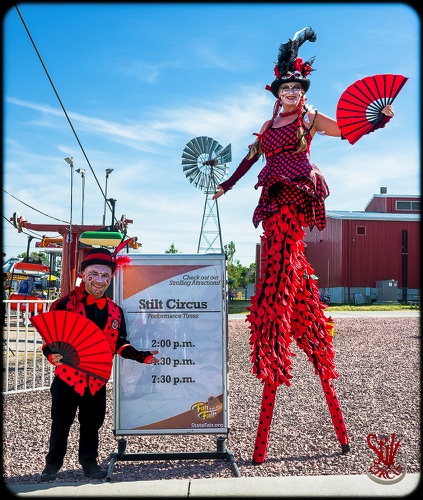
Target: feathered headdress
122	260
291	68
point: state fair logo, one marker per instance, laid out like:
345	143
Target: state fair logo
205	410
388	467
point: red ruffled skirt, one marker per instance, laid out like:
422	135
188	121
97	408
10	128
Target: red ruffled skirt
286	304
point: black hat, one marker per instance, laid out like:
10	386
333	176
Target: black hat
99	256
291	68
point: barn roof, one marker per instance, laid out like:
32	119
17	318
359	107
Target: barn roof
362	215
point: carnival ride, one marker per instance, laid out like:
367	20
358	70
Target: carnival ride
76	240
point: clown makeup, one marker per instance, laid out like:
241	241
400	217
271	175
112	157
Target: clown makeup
97	279
290	94
287	88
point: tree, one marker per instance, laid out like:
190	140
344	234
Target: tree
172	249
238	274
35	257
230	251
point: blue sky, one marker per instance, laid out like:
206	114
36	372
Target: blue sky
139	81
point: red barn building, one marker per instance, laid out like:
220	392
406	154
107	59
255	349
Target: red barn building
371	255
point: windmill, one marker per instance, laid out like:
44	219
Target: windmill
204	164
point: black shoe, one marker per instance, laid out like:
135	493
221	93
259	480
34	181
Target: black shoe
95	472
48	476
345	448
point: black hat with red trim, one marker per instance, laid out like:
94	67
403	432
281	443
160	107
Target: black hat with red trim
99	256
291	68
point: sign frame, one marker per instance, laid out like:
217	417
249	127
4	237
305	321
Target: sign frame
176	304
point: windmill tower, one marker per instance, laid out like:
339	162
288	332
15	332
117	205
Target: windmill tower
204	164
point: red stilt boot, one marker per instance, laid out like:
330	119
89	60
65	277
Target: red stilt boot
266	413
335	413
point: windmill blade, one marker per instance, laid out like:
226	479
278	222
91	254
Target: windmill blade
221	170
189	157
190	172
194	177
197	146
206	145
214	146
191	151
203	144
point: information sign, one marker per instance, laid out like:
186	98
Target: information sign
177	305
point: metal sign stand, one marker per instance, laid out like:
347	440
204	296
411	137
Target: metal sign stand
221	453
175	304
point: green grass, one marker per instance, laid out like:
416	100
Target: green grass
240	307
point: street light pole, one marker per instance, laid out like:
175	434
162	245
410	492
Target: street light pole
69	161
82	172
108	172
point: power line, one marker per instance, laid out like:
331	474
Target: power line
36	210
37	236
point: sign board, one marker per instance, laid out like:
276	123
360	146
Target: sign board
176	304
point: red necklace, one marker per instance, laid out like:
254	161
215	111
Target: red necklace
288	113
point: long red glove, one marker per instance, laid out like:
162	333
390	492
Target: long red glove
242	169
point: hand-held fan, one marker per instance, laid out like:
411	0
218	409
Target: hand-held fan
360	105
81	343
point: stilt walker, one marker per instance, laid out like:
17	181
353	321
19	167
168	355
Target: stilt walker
286	304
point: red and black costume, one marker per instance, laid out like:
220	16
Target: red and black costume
72	389
286	304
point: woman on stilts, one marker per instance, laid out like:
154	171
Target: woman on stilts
286	304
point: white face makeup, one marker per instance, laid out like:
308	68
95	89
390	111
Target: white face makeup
287	88
290	93
97	279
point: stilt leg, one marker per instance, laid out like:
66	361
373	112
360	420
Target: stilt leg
335	413
266	413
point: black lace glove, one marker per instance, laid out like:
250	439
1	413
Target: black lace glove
128	351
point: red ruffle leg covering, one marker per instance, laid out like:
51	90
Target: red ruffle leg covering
270	316
266	413
310	330
335	413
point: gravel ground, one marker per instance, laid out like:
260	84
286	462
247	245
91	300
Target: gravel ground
378	361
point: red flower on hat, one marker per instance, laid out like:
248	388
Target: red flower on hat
306	69
276	71
298	64
302	67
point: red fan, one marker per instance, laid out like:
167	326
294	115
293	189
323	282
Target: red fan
360	105
81	343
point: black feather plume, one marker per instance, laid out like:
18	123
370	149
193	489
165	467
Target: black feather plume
288	51
308	35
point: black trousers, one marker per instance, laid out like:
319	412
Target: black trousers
92	410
